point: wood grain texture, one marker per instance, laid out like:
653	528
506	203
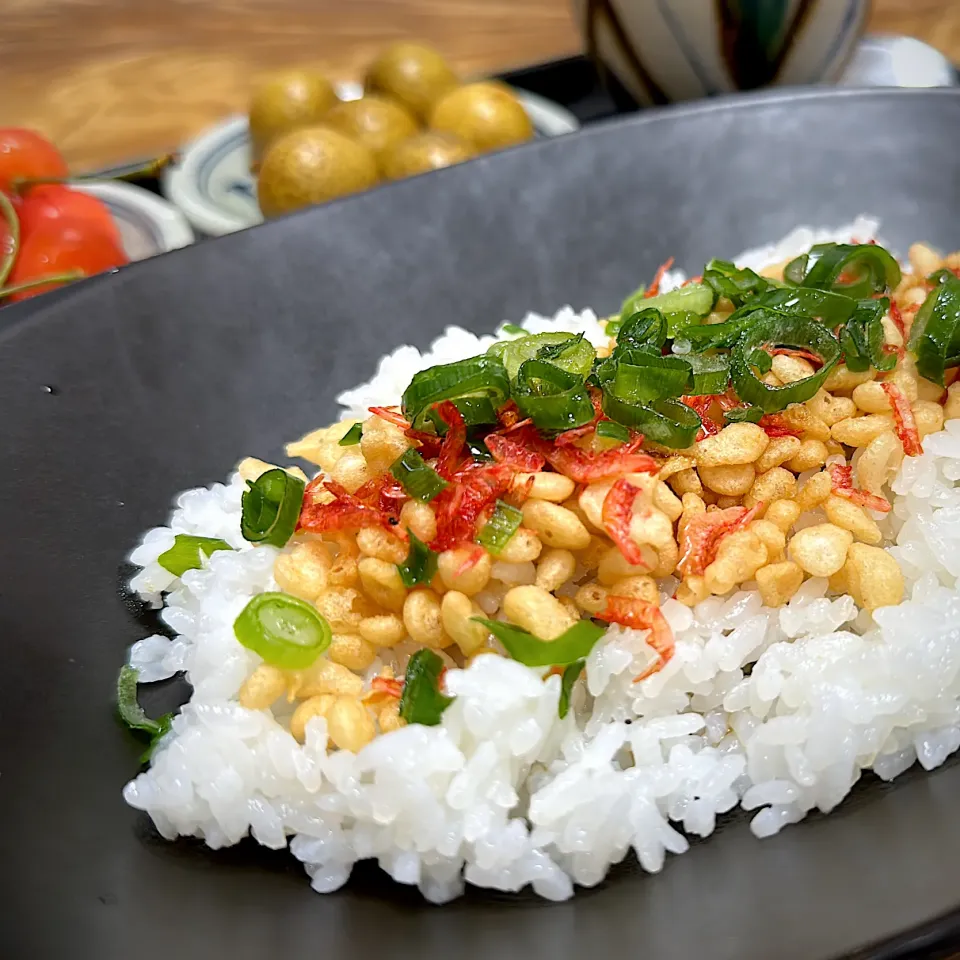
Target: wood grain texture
114	79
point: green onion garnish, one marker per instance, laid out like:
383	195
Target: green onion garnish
857	270
576	355
421	564
352	437
862	338
421	700
646	329
417	479
935	335
478	377
642	377
501	526
283	630
613	431
797	332
132	713
553	398
573	644
743	415
513	353
667	422
570	676
513	329
711	374
736	284
271	507
187	552
696	298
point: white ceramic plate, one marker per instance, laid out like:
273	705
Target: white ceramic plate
148	224
213	186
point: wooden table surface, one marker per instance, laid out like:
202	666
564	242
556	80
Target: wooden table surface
111	80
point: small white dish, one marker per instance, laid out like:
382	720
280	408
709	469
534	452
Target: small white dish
148	224
213	186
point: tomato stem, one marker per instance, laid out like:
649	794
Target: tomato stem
142	171
68	277
13	223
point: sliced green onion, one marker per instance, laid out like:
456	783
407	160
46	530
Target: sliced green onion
743	415
513	329
283	630
501	526
711	374
667	422
131	713
613	431
720	335
761	360
857	270
938	276
680	321
570	676
831	309
573	644
576	356
271	507
862	337
187	552
696	298
352	437
646	329
417	479
514	352
421	564
477	377
935	335
736	284
641	377
478	450
633	302
551	397
612	326
421	700
798	332
475	411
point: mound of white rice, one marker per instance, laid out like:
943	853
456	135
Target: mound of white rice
777	711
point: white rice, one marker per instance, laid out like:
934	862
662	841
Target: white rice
503	793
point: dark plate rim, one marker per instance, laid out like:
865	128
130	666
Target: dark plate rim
935	933
35	309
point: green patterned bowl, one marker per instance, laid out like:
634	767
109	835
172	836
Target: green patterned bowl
665	50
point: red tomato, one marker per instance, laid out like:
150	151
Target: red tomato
25	153
54	201
61	245
6	238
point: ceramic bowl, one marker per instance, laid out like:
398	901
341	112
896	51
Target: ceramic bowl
666	50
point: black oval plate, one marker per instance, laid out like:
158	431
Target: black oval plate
131	387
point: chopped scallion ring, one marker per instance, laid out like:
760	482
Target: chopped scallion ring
283	630
419	480
271	507
187	553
